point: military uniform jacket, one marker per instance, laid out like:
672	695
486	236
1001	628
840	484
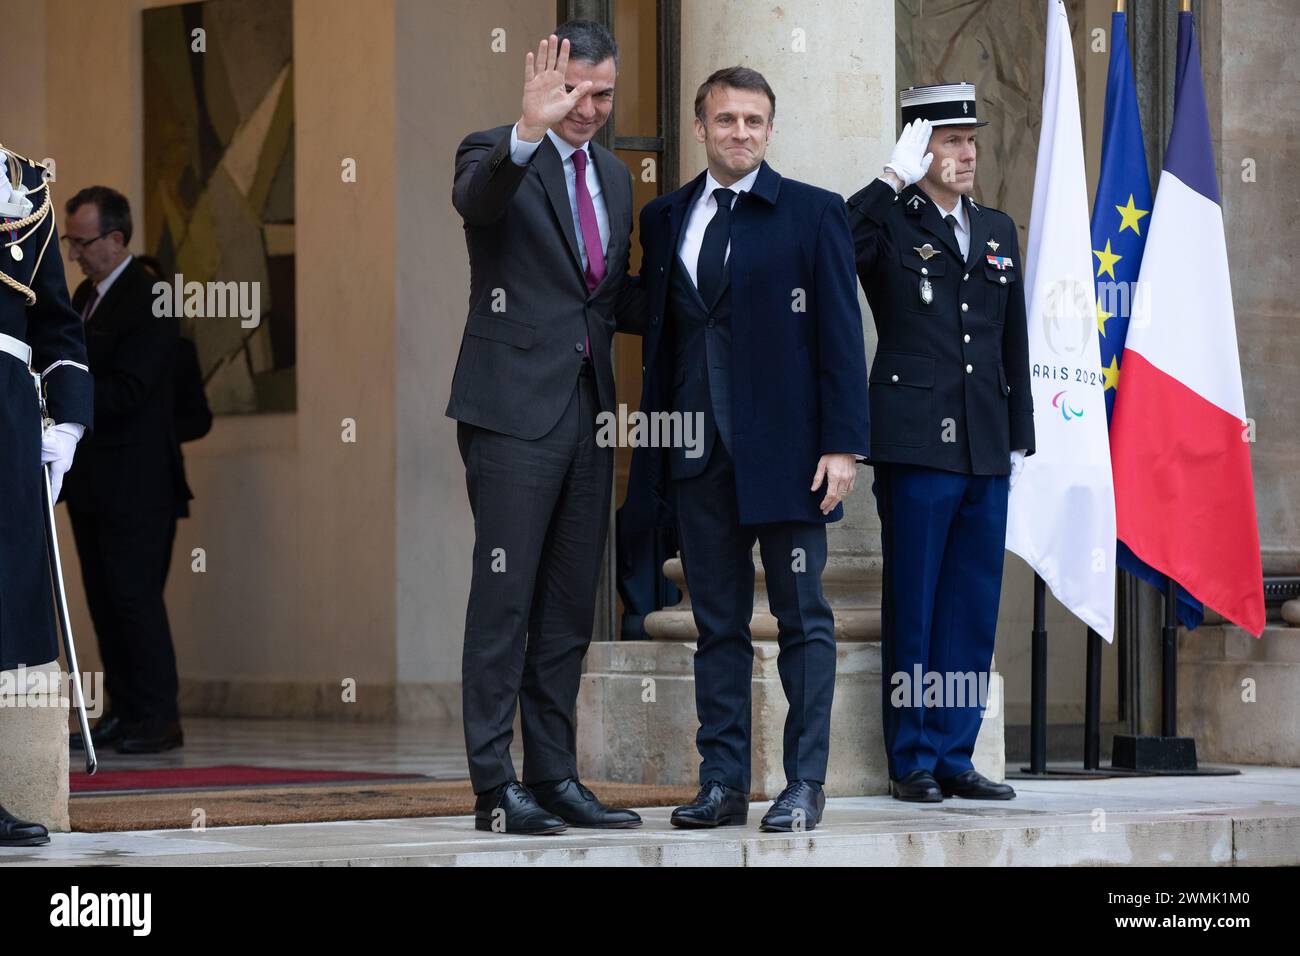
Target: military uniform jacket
53	330
949	386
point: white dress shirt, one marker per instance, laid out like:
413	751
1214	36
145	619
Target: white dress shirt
963	225
701	215
521	151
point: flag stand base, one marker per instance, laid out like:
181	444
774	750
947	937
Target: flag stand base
1160	755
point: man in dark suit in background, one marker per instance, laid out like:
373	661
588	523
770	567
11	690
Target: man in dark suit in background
548	218
126	487
754	328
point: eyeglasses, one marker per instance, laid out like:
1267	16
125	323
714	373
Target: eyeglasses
72	242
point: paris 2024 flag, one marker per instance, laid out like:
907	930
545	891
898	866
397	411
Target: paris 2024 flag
1061	515
1185	501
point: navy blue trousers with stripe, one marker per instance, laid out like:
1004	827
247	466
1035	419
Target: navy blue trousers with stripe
943	536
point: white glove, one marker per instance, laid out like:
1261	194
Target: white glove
910	159
1017	466
58	445
13	198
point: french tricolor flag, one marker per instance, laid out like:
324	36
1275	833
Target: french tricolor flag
1184	497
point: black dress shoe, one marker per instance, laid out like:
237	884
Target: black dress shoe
716	805
919	786
578	807
798	808
973	785
106	731
15	832
511	808
149	737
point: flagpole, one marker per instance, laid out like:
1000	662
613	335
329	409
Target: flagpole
1038	682
1092	705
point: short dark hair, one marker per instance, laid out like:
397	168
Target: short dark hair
738	78
114	210
589	41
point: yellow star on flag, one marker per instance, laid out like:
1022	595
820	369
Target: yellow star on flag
1102	316
1106	261
1130	216
1111	374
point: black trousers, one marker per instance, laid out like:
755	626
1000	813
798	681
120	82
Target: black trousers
717	556
124	561
541	514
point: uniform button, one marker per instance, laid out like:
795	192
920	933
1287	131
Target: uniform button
578	347
893	378
964	278
924	271
965	307
966	337
969	369
1002	279
643	368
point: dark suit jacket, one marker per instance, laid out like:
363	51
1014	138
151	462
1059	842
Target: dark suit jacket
530	312
131	462
798	362
927	407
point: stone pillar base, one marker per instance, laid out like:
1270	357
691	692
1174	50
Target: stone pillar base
637	720
34	746
1240	697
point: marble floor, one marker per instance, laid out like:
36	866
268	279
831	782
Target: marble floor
1250	819
435	749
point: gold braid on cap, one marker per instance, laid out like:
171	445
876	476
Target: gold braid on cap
34	219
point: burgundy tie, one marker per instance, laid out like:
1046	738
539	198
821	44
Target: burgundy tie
90	303
587	219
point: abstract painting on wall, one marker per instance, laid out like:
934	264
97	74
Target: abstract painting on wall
219	186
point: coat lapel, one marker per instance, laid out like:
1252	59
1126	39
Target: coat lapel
679	212
980	231
609	169
551	168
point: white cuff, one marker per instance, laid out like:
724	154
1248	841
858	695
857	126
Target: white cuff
521	151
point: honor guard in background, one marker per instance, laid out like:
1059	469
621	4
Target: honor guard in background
41	348
952	420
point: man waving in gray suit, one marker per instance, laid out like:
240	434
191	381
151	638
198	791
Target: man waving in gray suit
548	220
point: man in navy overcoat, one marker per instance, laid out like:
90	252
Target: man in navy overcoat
753	331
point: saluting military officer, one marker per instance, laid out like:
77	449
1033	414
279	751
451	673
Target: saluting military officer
952	420
41	345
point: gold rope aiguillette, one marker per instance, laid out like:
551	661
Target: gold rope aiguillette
33	219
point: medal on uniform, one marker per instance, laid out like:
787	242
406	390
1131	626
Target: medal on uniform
927	292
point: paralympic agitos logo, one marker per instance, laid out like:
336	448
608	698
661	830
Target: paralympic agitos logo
1062	402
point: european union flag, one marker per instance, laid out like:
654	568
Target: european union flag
1120	217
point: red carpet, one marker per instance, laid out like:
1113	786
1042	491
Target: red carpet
187	778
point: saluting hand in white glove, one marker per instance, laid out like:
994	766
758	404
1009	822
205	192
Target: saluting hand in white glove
58	445
911	156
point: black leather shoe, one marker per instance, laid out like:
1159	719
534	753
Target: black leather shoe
973	785
511	808
716	805
919	786
149	737
578	807
108	730
798	808
15	832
